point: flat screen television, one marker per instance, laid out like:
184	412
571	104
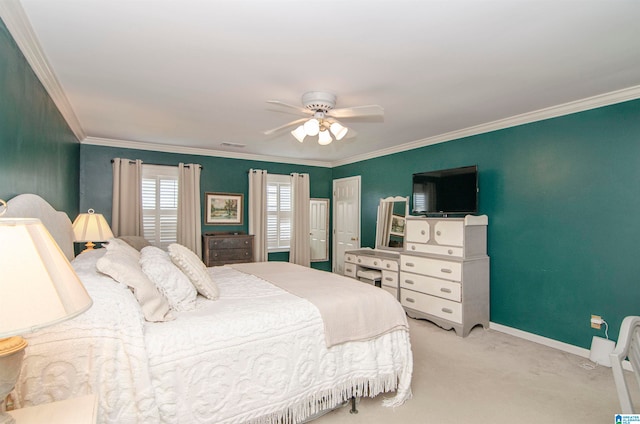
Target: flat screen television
446	192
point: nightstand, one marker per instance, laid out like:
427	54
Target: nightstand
80	410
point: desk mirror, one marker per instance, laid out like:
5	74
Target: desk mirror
392	212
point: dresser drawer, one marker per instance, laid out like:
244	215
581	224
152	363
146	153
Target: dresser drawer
231	254
369	262
350	270
447	270
350	257
429	285
442	308
230	242
435	249
389	278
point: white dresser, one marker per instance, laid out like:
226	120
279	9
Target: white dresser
444	271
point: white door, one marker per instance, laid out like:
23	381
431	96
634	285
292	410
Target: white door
319	229
346	219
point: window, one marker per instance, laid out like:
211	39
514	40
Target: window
160	204
278	213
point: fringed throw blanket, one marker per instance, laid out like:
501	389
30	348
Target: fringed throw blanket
350	310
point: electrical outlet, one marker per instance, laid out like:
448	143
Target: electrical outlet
596	321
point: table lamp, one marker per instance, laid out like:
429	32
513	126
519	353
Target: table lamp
89	227
38	288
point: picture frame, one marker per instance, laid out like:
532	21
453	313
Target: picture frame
397	225
223	208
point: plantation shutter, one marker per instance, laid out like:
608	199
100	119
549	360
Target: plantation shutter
160	204
278	212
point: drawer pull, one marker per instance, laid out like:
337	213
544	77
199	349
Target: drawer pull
450	251
445	270
388	265
445	290
375	263
410	264
438	233
447	310
409	281
359	260
388	278
422	232
413	248
410	300
348	269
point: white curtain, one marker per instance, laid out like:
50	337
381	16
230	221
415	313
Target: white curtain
189	216
383	232
126	212
258	213
300	252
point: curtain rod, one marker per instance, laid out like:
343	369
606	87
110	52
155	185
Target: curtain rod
161	164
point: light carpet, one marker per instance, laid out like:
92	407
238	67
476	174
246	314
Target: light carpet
493	378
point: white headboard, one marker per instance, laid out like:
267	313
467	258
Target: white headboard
57	223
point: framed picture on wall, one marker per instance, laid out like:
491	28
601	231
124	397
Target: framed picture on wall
223	208
397	225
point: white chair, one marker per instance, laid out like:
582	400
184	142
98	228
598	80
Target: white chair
628	346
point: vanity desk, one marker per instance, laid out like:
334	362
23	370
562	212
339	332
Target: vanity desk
360	264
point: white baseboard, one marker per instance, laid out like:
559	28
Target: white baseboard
565	347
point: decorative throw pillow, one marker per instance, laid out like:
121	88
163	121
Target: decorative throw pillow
136	242
124	268
170	281
193	267
115	244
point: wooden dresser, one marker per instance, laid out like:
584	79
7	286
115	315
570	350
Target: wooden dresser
226	248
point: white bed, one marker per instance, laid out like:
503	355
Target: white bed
257	354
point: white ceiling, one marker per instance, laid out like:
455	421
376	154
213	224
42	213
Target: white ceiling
192	74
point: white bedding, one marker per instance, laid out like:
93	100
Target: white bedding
255	355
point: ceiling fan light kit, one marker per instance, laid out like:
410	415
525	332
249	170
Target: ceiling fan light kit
323	124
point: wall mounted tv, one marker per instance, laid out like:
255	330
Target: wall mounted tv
446	192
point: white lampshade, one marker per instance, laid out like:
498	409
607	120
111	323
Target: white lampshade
324	138
312	127
89	227
299	133
38	287
338	130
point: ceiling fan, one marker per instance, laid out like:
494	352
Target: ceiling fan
324	118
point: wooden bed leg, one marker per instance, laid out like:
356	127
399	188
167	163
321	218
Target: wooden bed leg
354	410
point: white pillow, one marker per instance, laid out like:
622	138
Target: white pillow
124	268
170	281
193	267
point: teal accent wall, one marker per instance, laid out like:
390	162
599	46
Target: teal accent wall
218	175
38	152
562	197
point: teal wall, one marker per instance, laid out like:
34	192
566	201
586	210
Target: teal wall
38	152
562	197
218	175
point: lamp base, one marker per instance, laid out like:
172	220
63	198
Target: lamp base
89	246
11	355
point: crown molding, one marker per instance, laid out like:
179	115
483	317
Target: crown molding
594	102
18	24
167	148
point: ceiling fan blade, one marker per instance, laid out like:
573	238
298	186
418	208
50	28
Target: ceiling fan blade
352	112
290	124
298	108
